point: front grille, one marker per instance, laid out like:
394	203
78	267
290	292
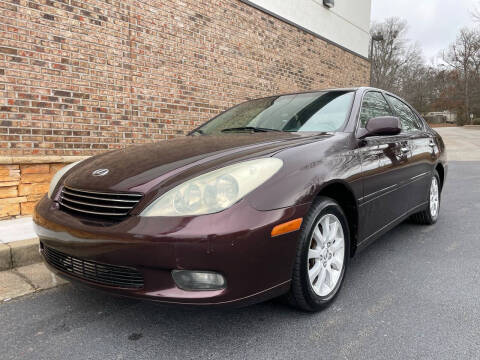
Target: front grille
98	204
111	275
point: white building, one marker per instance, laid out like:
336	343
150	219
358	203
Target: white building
443	116
343	22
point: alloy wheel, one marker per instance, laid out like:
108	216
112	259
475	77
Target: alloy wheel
434	198
326	255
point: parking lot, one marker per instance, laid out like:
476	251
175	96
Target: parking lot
414	294
463	144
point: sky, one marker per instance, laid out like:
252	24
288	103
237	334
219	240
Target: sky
434	24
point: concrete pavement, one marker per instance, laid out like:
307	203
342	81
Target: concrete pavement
16	230
25	280
23	273
18	243
462	143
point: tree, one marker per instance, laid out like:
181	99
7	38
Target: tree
476	14
464	56
416	86
398	66
393	55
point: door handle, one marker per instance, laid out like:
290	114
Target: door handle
405	149
431	143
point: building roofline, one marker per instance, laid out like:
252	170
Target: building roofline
281	18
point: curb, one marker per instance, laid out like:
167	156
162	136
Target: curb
19	253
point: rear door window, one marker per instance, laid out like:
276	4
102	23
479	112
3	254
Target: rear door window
408	119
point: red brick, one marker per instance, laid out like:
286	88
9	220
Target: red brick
117	80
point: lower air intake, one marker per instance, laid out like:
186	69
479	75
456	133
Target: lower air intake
104	274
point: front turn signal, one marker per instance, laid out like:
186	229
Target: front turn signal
287	227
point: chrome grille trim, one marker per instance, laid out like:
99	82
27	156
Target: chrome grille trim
93	212
97	198
98	204
103	193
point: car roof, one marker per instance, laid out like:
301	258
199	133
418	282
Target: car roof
357	88
318	90
307	92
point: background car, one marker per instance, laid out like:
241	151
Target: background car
270	198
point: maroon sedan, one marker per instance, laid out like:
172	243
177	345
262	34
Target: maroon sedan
269	198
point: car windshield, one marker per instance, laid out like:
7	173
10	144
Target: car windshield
319	112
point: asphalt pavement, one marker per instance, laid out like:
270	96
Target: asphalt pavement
413	294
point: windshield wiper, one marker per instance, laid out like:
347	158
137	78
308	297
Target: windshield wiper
250	128
197	132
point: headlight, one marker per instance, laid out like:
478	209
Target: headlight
214	191
58	175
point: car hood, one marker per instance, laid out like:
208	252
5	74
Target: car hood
141	168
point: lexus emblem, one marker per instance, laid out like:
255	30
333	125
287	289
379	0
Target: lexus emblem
100	172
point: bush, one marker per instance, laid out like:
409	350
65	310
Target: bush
476	121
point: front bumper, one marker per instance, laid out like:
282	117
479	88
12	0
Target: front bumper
235	243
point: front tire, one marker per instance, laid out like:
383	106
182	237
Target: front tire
322	256
429	216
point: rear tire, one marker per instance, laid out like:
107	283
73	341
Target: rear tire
429	216
322	256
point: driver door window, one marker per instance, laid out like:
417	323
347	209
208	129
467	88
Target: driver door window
373	105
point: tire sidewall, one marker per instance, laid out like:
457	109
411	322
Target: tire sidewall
322	208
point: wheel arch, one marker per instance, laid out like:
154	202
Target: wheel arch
441	172
341	192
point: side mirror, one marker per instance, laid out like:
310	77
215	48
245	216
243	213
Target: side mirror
383	125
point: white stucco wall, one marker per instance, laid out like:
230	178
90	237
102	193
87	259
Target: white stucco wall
346	24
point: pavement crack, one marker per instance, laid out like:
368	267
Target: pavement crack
11	255
26	279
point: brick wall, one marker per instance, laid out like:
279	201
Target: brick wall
83	76
78	77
